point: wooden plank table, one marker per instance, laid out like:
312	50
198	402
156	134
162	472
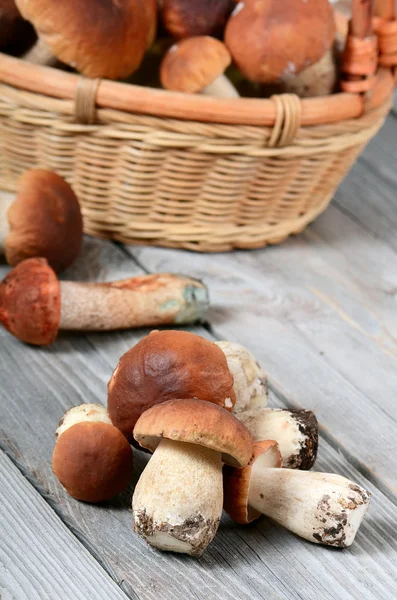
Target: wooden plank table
320	313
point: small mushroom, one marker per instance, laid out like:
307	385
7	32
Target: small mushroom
34	305
196	65
167	365
177	503
250	380
323	508
104	39
44	220
296	432
269	40
188	18
92	459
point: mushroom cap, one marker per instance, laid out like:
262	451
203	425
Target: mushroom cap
93	461
84	413
196	422
30	302
192	64
188	18
269	40
236	482
45	220
100	39
11	22
167	365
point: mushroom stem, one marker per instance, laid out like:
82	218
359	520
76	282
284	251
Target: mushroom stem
40	54
221	88
320	507
4	224
295	431
145	301
177	503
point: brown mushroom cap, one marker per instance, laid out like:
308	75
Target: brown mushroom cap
269	40
30	302
188	18
101	39
167	365
93	461
45	220
236	482
11	22
196	422
192	64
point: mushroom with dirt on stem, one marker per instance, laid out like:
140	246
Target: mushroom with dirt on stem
274	41
197	65
82	38
167	365
295	431
177	503
323	508
44	220
91	459
189	18
35	305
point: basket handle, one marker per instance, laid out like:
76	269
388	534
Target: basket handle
364	51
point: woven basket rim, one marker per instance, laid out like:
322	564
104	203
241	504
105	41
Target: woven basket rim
130	98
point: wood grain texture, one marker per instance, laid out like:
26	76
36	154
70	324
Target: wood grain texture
260	561
39	557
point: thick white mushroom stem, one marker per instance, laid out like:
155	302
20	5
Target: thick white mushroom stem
40	54
321	507
5	204
221	88
146	301
177	503
295	431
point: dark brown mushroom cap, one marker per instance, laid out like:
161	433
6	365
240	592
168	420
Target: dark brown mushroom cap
269	40
192	64
236	482
196	422
30	302
167	365
10	22
45	221
93	461
100	39
188	18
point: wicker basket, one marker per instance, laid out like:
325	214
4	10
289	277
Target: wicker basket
206	174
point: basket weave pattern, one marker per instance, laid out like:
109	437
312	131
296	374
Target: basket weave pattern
186	184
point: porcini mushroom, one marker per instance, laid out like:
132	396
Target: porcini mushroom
269	40
296	432
177	503
34	305
44	220
188	18
92	459
167	365
104	39
250	380
320	507
196	65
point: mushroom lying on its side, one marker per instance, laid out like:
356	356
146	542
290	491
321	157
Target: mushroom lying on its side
295	431
177	503
167	365
92	459
44	220
321	507
34	305
197	65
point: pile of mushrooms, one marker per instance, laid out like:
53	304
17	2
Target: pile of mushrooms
201	409
281	46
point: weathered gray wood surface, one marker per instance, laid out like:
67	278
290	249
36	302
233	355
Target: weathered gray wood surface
39	556
319	312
